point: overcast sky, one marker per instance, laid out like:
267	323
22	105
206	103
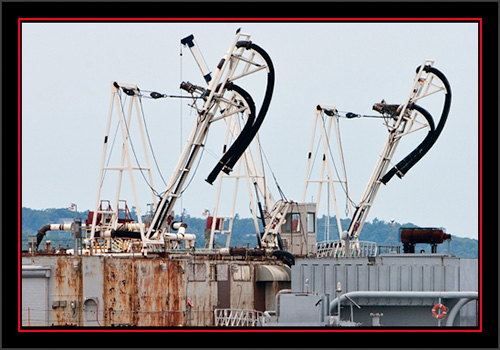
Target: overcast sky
68	68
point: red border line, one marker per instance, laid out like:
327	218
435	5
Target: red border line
479	20
255	19
480	174
19	169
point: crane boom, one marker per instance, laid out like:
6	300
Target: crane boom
220	84
403	122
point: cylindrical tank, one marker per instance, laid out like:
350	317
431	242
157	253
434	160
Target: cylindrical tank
423	235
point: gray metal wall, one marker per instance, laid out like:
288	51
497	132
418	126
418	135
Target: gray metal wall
391	272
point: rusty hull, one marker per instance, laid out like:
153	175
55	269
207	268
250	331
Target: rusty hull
66	304
150	291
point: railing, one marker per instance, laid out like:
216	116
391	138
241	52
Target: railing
237	318
337	249
389	249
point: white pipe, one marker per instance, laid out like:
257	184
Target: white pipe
61	227
402	294
180	236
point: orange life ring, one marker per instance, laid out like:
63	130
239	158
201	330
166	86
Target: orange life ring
443	311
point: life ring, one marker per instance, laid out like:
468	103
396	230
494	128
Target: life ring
443	311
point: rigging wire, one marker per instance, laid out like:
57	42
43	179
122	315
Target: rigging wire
132	146
314	158
334	165
343	166
282	194
149	141
110	152
200	51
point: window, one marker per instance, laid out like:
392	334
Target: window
197	272
311	222
292	223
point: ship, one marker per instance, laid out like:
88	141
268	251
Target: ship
148	272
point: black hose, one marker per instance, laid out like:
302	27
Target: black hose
267	98
40	234
285	256
230	158
409	161
444	114
417	153
241	139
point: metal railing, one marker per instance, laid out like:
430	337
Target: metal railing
337	249
237	318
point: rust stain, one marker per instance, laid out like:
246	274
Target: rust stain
142	292
118	292
160	285
155	291
66	301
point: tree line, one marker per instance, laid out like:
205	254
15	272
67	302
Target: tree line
243	232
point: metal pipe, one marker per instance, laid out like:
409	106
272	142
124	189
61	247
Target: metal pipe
50	227
179	236
402	294
455	310
278	296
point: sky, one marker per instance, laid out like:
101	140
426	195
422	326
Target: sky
68	69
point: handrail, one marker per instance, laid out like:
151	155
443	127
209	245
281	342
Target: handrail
337	249
237	318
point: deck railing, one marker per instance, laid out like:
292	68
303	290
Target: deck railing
237	318
337	249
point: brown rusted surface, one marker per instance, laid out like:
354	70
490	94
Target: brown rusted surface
119	292
423	235
66	303
159	289
142	292
148	291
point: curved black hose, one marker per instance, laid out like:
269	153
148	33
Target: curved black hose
265	104
417	153
240	140
40	234
409	161
444	113
230	158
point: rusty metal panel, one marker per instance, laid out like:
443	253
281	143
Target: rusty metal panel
160	284
143	292
241	272
242	285
119	292
202	295
197	271
242	295
66	294
139	291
